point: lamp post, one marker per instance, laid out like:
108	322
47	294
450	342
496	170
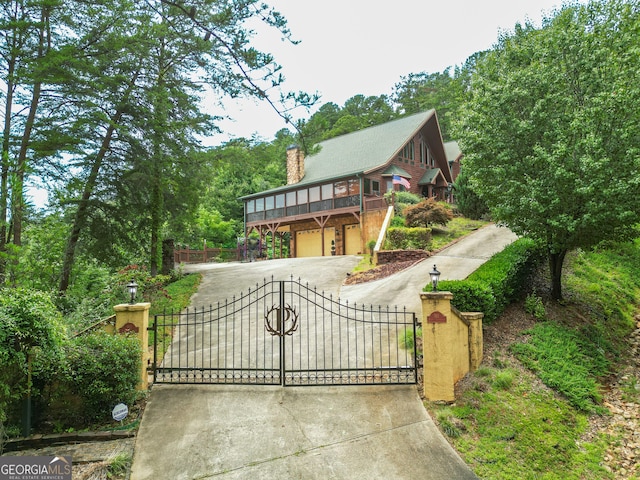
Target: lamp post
435	276
132	287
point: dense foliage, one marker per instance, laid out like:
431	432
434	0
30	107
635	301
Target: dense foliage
467	200
402	238
102	370
496	283
550	129
29	324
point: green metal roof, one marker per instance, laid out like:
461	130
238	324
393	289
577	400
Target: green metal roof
357	152
429	176
363	150
396	170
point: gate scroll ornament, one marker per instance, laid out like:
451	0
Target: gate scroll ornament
280	330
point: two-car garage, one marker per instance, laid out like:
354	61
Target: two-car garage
343	240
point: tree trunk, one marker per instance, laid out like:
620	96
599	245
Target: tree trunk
17	192
556	262
80	217
4	170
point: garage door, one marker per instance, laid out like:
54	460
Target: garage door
352	242
309	242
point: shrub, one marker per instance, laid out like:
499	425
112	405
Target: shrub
427	213
408	238
402	200
397	221
468	202
103	370
29	322
533	305
496	283
470	296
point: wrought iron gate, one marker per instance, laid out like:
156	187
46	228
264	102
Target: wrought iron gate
285	333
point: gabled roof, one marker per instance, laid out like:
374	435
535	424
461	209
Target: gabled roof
430	176
362	150
358	152
396	170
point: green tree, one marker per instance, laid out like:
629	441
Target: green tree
26	45
550	133
357	113
467	200
147	124
418	92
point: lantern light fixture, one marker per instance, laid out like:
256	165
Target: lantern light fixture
435	276
132	287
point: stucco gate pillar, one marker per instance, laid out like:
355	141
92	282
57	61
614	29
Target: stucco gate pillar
134	318
451	345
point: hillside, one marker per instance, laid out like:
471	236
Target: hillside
508	422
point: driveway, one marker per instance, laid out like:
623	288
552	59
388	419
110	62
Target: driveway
351	432
454	263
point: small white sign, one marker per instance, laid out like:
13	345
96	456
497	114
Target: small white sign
120	412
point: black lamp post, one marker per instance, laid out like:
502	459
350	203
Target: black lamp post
435	276
132	287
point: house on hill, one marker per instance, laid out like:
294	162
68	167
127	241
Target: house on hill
333	203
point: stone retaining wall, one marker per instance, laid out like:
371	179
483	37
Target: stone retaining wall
392	256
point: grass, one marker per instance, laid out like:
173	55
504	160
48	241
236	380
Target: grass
364	264
526	414
119	465
178	296
505	427
567	362
458	227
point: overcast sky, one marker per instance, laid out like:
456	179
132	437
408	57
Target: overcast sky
351	47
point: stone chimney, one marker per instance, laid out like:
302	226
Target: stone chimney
295	164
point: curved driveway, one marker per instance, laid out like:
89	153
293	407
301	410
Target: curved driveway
352	432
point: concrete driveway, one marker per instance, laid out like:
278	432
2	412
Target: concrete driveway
351	432
454	263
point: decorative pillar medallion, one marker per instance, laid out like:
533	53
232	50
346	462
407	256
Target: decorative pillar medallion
129	327
286	321
436	317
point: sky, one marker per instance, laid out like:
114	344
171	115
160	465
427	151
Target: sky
351	47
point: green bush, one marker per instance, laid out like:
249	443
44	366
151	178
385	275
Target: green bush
496	283
103	370
29	323
397	221
533	305
470	296
402	200
408	238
